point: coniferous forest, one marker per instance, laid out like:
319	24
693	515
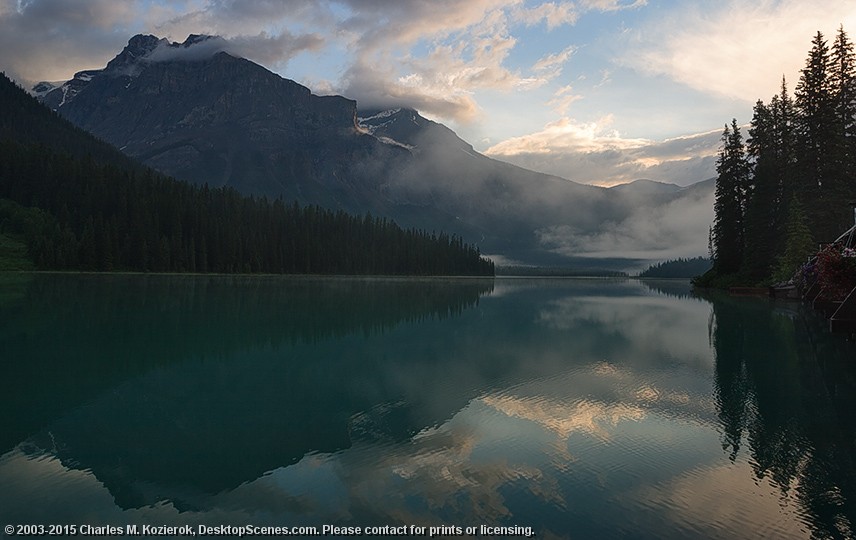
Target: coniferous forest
785	186
77	203
677	268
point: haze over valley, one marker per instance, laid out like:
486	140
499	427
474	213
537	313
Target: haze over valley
200	114
431	268
498	121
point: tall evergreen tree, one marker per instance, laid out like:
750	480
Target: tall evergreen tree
771	151
816	136
762	205
842	78
799	245
732	186
783	115
843	88
802	160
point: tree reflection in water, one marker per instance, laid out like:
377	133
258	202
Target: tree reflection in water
784	390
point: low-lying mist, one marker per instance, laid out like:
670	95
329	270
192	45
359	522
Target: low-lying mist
528	218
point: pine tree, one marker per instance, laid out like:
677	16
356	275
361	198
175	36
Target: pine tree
816	136
802	156
762	205
799	245
783	114
732	186
770	147
842	79
843	155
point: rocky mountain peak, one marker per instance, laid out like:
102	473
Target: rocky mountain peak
141	44
138	48
42	88
405	126
193	39
196	112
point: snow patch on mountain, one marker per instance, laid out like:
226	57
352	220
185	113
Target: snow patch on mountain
393	142
64	89
382	114
373	123
43	87
140	51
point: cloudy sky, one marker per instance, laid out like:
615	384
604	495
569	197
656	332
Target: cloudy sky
597	91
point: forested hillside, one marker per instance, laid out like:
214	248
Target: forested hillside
677	268
788	186
79	204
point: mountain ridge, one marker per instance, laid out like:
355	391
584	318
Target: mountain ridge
200	114
77	203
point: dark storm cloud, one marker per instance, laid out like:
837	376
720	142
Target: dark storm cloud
51	39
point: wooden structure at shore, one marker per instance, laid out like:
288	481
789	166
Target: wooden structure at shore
840	313
844	318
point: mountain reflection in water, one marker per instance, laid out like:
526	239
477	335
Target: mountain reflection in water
583	408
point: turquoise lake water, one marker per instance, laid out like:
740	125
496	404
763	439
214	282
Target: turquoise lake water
561	408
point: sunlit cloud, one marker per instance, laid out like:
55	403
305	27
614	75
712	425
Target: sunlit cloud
739	49
563	419
378	89
605	78
450	59
389	25
591	152
612	5
467	53
551	65
563	98
566	134
551	13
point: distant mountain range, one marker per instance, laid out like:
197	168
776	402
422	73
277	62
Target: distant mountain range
194	111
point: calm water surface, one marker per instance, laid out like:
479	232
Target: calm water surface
579	408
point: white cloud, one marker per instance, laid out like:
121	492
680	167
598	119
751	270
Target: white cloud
738	49
274	49
382	25
232	17
612	5
467	50
605	78
594	154
376	86
467	46
566	134
554	15
551	65
562	100
261	48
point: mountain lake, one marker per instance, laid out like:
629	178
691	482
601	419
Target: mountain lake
553	408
